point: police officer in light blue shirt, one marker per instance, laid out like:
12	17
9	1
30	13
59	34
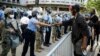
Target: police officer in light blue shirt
58	20
66	18
48	19
30	33
1	13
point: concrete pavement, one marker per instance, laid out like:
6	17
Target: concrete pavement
47	49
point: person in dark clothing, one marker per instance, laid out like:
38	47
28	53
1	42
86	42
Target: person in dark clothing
98	28
79	31
93	21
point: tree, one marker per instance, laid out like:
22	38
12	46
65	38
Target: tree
93	3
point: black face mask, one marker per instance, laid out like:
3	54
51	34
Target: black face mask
91	13
73	12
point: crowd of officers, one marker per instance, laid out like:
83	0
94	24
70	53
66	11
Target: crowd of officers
37	26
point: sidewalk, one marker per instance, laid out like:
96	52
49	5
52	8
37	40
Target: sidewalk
47	50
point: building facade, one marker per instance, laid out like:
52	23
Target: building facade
61	5
11	1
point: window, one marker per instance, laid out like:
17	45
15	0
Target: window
4	0
18	1
8	1
75	0
13	1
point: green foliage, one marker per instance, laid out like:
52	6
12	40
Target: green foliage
93	3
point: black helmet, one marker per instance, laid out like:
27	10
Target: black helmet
34	13
25	14
48	10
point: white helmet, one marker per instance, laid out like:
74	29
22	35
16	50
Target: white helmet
39	10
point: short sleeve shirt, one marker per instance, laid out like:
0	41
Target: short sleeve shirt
32	24
24	20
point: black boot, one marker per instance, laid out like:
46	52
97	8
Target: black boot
98	53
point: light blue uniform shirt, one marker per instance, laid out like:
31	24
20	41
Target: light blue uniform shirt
48	18
2	15
58	19
32	24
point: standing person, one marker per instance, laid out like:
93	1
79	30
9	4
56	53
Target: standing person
93	20
65	26
48	19
29	12
2	17
30	33
58	20
8	34
79	31
24	22
15	12
98	34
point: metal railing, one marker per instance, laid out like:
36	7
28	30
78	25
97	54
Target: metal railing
63	48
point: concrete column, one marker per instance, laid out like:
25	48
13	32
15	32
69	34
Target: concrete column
44	9
57	9
15	1
11	1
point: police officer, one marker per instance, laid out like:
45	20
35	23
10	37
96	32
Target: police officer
30	33
48	19
1	19
24	22
58	20
29	12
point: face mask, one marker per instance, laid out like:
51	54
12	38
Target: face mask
39	16
73	12
11	16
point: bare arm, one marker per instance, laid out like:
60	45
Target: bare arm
84	42
43	24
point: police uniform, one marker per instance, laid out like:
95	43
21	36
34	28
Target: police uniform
1	20
58	20
30	36
48	20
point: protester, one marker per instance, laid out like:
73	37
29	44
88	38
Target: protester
93	21
79	31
